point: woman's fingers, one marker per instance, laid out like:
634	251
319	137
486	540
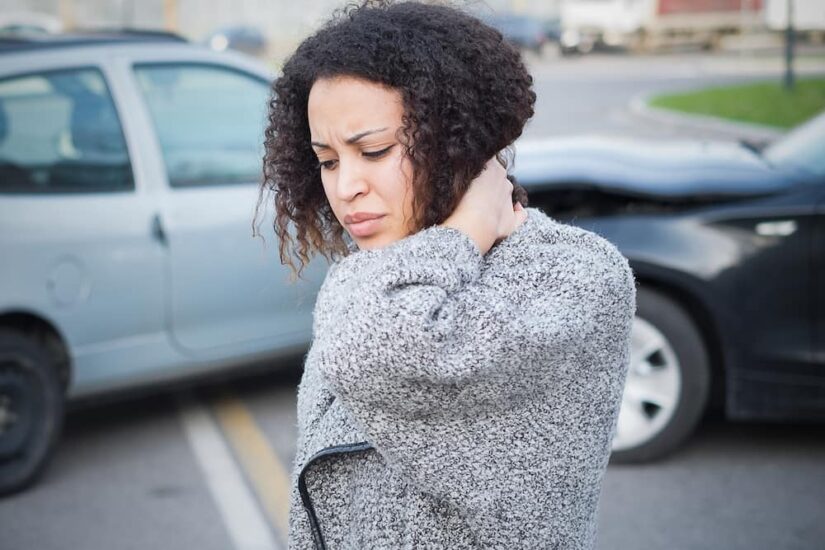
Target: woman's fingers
520	215
486	211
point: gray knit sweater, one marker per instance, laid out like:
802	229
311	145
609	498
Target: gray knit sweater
453	400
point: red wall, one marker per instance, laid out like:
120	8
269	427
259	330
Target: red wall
666	7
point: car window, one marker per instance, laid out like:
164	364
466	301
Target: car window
59	132
802	148
209	120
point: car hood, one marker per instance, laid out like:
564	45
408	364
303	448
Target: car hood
667	170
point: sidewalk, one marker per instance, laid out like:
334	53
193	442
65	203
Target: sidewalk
726	129
754	55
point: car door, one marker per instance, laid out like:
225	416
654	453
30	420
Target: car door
819	288
769	289
229	293
75	229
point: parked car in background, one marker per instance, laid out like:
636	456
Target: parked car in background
527	33
246	39
16	23
129	172
552	29
727	243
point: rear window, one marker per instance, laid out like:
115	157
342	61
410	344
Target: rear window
60	133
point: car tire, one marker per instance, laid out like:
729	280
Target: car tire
668	381
31	410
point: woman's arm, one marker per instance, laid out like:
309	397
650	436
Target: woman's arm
417	327
493	382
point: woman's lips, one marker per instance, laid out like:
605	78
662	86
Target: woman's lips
366	227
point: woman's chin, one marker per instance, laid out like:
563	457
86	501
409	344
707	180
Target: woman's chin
376	241
370	243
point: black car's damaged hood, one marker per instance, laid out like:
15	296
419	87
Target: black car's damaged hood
667	171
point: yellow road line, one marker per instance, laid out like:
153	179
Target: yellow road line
264	470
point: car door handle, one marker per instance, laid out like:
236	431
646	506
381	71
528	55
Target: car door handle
780	228
157	230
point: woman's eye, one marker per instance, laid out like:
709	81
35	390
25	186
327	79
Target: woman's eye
377	154
327	164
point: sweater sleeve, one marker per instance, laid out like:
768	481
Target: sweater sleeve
405	329
418	328
492	382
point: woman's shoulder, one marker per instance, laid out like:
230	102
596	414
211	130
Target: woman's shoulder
541	235
541	245
436	255
545	256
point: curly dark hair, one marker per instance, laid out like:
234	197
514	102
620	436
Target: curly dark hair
466	97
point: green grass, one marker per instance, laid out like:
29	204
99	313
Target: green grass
761	103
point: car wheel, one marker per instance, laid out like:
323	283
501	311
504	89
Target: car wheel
668	381
31	410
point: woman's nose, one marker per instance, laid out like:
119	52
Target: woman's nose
352	180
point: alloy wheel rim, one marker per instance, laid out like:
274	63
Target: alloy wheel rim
652	389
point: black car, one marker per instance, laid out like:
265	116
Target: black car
727	243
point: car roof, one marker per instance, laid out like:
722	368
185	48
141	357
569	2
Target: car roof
14	43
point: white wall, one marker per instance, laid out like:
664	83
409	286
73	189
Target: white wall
808	14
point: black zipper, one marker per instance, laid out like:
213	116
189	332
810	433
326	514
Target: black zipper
317	536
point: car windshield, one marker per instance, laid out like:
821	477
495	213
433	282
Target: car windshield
802	149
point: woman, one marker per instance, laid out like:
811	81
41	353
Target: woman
468	354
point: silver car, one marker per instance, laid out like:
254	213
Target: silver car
129	172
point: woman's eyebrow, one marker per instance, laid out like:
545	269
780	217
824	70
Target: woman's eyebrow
351	140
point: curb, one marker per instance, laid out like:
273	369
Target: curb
737	130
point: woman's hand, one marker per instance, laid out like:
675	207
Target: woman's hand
486	212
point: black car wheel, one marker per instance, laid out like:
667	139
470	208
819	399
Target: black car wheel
31	410
668	381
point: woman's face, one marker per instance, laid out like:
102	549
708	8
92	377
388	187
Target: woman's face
367	177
